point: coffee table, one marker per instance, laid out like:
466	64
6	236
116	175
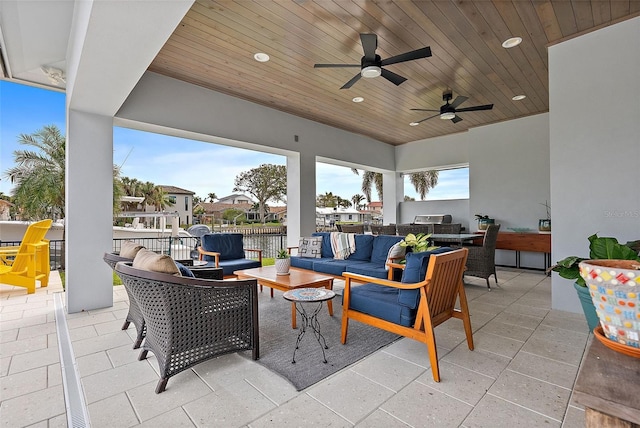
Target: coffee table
297	278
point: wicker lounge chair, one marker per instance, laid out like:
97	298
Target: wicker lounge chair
353	228
405	229
134	315
378	229
482	260
192	320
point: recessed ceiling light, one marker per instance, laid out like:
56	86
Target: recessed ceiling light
512	42
519	97
357	99
261	57
414	124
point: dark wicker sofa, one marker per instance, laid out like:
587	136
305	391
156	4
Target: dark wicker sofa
191	320
134	315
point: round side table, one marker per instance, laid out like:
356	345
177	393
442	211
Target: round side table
309	295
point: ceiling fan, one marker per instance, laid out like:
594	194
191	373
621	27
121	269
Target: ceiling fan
449	111
371	63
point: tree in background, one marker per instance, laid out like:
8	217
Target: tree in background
232	215
212	197
357	200
422	181
328	200
344	203
266	182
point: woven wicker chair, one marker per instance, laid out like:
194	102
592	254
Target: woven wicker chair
134	315
405	229
447	228
192	320
378	229
482	260
353	228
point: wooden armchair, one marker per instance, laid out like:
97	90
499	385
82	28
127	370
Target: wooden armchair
413	307
226	250
27	263
191	320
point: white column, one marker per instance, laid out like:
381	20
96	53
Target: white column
393	194
89	210
301	196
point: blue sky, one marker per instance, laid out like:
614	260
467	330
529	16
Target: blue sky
200	167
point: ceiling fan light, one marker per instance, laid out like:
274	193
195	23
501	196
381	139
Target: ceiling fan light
447	115
371	71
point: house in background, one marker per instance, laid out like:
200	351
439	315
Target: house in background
182	201
236	198
5	207
330	216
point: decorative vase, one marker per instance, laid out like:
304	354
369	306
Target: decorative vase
544	225
614	286
587	306
483	223
282	266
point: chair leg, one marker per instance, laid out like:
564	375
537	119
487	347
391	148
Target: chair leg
143	355
137	343
162	384
488	285
345	328
125	325
433	352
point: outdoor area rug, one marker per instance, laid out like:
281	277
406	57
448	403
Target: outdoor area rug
278	339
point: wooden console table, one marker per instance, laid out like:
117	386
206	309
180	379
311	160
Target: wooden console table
608	386
517	241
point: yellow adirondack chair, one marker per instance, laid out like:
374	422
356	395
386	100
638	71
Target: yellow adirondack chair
23	265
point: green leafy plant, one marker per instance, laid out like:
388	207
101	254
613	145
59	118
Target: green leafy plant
481	217
282	254
599	248
418	243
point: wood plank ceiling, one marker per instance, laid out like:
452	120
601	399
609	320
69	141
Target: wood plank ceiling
214	46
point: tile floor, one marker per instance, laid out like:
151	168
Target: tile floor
521	373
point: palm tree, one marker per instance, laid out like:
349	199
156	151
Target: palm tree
39	175
212	196
422	182
357	200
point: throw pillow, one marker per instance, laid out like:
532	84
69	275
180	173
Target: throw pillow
185	271
129	249
310	247
395	252
161	263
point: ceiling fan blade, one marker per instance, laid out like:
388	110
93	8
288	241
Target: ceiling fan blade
408	56
476	108
351	82
369	45
430	117
392	77
423	109
456	119
459	100
335	65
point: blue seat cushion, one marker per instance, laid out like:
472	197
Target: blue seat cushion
302	262
415	271
381	246
229	266
381	302
326	251
369	269
330	266
229	245
364	247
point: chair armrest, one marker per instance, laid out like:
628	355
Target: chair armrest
202	253
291	248
208	273
255	250
380	281
393	267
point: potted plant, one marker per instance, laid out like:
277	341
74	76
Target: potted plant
599	248
544	224
418	243
484	221
283	262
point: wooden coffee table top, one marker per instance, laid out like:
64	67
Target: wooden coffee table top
297	278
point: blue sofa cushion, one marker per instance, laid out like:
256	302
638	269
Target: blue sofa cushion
327	252
229	266
185	271
229	245
330	266
381	246
303	262
381	302
369	269
364	247
415	271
